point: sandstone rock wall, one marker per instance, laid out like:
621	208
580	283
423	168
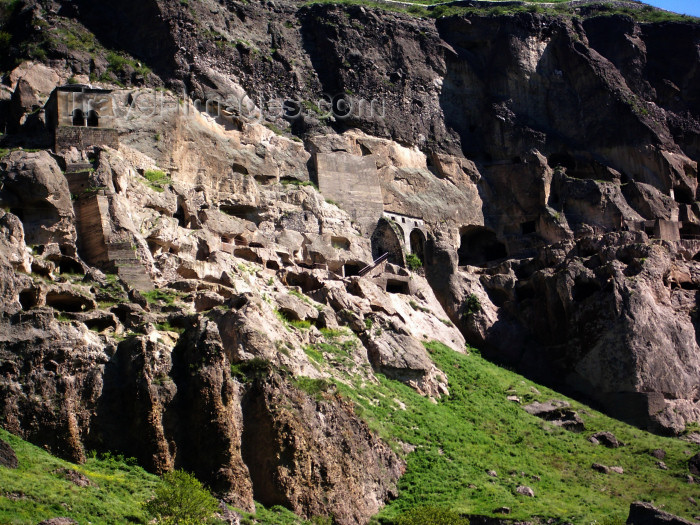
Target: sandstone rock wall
534	147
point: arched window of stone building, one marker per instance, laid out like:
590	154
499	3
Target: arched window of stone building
93	119
417	239
388	237
78	117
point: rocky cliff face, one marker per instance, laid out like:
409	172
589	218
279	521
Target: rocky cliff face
191	320
187	297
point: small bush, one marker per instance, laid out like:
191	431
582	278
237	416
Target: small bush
472	305
5	39
245	370
430	515
181	499
313	387
413	261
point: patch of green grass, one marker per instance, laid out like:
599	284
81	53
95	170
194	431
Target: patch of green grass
418	307
278	515
313	387
298	183
275	129
112	292
424	9
330	333
160	296
76	38
157	180
165	326
296	323
119	64
430	515
244	268
41	493
301	325
300	295
334	352
691	428
312	106
313	354
475	429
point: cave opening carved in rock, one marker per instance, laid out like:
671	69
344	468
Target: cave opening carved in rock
479	245
387	238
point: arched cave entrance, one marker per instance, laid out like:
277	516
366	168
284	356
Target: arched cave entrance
78	117
417	240
479	245
93	119
387	238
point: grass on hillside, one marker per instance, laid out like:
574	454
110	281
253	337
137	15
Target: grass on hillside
157	180
476	429
646	14
457	440
35	491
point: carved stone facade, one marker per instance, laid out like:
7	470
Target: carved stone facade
353	182
414	232
81	116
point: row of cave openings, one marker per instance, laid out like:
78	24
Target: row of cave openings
478	245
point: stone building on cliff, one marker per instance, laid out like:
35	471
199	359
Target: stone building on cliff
81	116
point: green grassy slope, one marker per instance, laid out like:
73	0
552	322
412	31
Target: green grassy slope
476	429
457	441
35	491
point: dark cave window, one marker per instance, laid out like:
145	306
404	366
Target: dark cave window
78	117
528	227
93	119
394	286
480	245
